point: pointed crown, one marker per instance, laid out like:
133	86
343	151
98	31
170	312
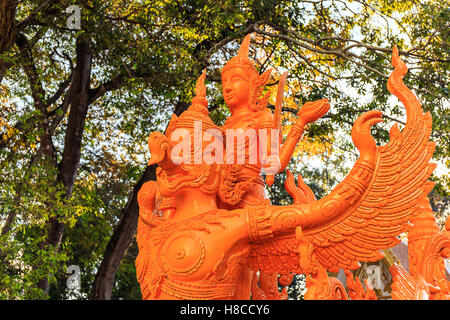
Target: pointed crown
197	111
242	60
258	101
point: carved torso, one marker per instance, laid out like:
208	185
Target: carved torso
252	120
245	178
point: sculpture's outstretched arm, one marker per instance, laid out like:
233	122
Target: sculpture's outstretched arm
310	112
266	223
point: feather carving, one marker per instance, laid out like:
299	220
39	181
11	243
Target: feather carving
383	212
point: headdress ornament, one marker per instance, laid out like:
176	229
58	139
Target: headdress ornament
197	111
159	143
242	60
258	101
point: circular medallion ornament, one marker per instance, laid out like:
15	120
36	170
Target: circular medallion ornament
183	253
286	220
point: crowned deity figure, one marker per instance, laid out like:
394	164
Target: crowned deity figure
243	88
203	251
242	183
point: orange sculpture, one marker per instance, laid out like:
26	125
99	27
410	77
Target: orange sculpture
427	249
243	87
242	184
222	230
356	290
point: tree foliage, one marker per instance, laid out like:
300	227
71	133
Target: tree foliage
78	104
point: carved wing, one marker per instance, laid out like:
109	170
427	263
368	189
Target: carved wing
277	255
399	179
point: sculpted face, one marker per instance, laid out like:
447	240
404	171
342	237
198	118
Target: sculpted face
181	177
236	87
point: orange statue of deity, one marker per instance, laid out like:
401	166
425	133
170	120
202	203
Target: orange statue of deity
242	184
204	250
243	93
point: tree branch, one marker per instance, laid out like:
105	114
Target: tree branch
61	88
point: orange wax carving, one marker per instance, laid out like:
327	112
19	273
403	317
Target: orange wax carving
221	231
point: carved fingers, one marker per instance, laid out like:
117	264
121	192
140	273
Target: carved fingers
311	111
361	136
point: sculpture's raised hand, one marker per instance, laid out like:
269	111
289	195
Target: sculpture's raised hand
361	136
311	111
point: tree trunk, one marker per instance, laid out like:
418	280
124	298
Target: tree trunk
68	167
79	103
3	69
7	24
7	31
